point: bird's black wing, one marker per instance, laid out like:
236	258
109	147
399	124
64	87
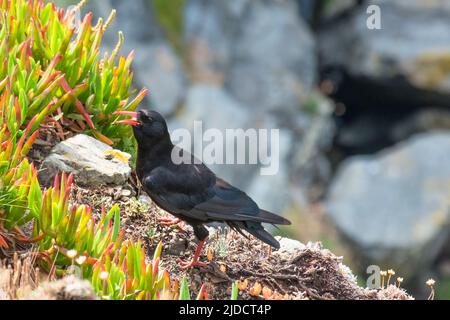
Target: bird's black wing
228	203
193	191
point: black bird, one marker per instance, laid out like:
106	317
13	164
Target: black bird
190	191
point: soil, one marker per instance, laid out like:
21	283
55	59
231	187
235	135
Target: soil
309	272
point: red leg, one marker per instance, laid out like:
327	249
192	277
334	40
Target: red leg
168	221
195	259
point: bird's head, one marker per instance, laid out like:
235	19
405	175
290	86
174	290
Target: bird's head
148	126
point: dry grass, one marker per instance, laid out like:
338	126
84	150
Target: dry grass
302	272
295	272
18	278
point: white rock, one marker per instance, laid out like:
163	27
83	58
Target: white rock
92	162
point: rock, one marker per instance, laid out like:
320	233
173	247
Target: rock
307	9
335	8
243	45
126	193
159	69
68	288
266	72
394	206
415	69
427	119
176	246
239	50
145	199
92	162
289	246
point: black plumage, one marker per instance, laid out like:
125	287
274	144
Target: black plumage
191	191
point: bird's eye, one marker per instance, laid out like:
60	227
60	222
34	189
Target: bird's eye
145	118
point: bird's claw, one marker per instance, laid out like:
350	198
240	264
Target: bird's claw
189	264
171	222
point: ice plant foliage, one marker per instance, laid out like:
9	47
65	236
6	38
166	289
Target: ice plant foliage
66	230
68	235
51	70
71	236
128	276
18	179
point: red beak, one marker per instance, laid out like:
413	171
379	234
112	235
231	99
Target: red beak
132	122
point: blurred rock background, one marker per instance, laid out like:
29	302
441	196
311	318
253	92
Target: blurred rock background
364	115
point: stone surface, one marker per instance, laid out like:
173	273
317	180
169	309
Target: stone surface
416	50
307	9
334	8
394	206
158	68
258	59
289	246
92	162
68	288
244	45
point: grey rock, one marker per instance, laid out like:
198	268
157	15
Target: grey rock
417	49
334	8
68	288
307	9
423	120
274	63
261	50
92	162
176	246
145	199
394	206
209	29
159	69
227	114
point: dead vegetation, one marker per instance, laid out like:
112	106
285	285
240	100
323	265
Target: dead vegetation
18	277
295	272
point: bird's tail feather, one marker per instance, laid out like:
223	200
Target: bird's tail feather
272	218
256	230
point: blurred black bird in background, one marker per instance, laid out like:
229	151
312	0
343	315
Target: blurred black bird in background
190	191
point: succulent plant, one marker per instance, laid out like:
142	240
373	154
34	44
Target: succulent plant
51	70
51	74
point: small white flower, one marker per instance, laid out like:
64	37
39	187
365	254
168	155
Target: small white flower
104	275
431	283
72	253
80	260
